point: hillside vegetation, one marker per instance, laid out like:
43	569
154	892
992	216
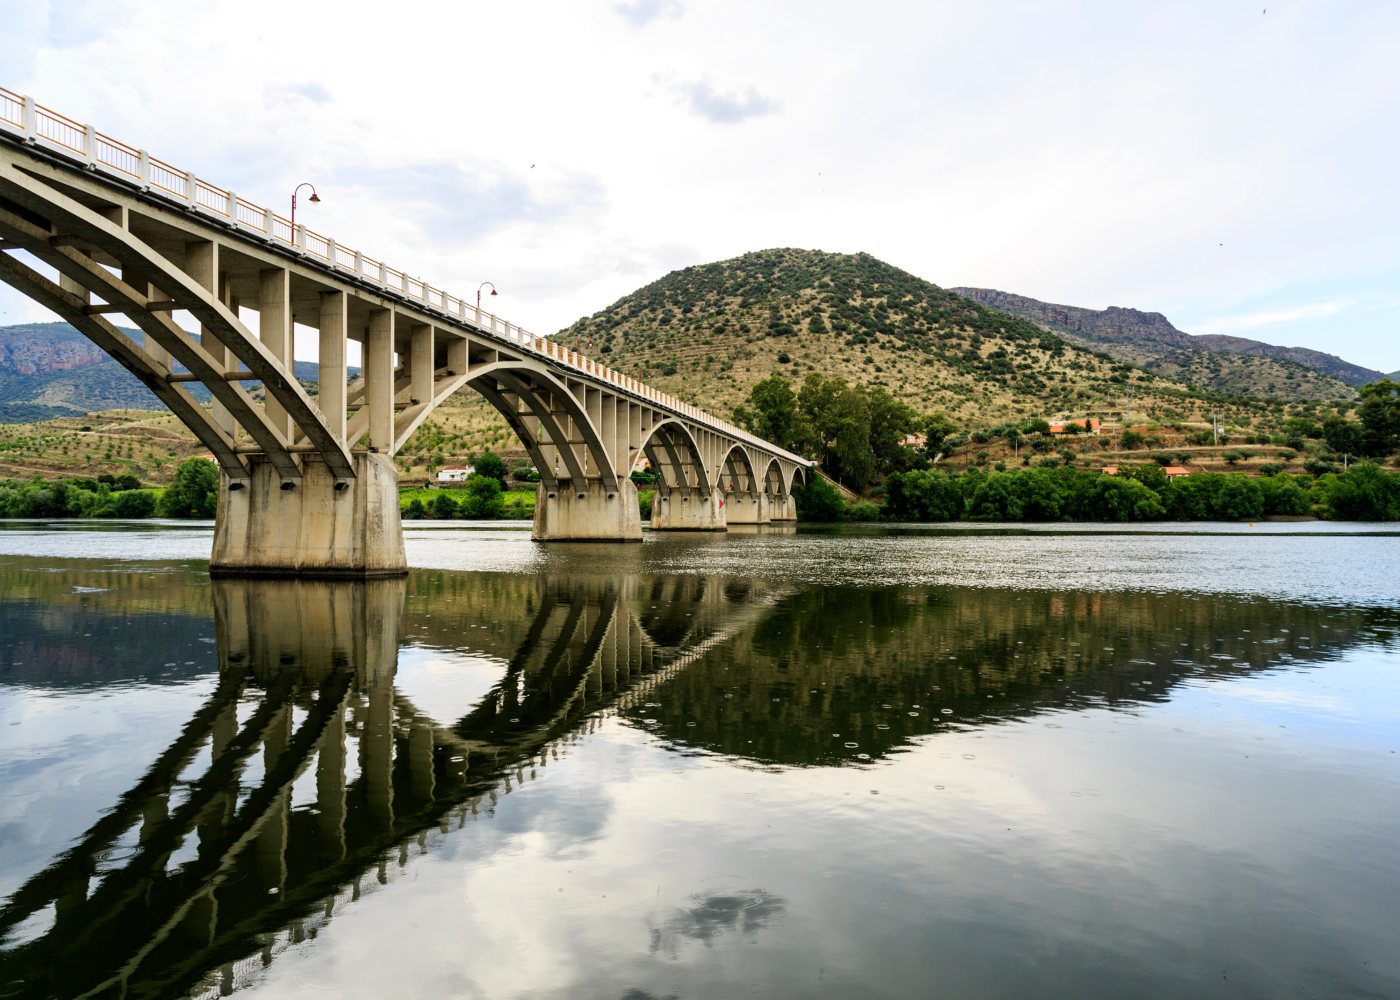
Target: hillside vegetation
709	333
882	371
1210	361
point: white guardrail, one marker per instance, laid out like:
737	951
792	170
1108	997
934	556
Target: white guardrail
37	125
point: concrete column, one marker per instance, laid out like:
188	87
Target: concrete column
378	371
156	352
589	512
202	264
320	528
745	507
675	509
420	363
275	331
334	334
226	360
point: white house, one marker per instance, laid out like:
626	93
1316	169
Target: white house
455	473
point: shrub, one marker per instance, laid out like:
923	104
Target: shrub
134	503
818	501
863	511
442	506
195	491
415	511
644	501
483	500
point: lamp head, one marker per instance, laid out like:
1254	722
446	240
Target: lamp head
314	197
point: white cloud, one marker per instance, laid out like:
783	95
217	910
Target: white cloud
1274	317
1092	154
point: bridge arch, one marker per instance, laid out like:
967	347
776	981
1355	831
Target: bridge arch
508	383
737	471
152	313
678	462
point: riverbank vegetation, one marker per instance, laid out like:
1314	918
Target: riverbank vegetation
1365	492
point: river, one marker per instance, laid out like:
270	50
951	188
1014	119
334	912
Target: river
967	762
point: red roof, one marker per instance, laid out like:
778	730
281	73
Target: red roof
1176	470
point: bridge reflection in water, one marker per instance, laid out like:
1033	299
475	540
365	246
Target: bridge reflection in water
308	778
306	772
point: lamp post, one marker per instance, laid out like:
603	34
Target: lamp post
314	198
478	293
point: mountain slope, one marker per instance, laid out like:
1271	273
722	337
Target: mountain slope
1211	361
708	333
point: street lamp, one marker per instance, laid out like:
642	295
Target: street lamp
478	293
314	198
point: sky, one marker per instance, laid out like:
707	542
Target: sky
1229	165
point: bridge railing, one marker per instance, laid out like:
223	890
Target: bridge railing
37	125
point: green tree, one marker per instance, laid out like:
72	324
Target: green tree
818	500
771	413
483	498
891	421
415	511
195	491
442	506
488	463
1343	436
1380	417
937	428
133	503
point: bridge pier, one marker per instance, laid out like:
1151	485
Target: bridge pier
783	508
313	527
746	507
592	512
674	509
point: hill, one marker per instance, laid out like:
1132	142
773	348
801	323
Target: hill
709	333
1209	361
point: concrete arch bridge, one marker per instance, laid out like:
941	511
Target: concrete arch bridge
93	229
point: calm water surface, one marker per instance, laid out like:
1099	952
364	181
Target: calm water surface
875	763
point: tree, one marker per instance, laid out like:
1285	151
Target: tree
818	501
1380	417
195	491
891	421
1343	436
442	506
483	499
133	503
937	428
771	412
488	463
415	511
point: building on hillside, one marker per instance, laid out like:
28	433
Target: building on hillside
1176	471
1090	425
1110	470
455	473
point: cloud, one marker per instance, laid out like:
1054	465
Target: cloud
700	98
1273	317
313	92
643	12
